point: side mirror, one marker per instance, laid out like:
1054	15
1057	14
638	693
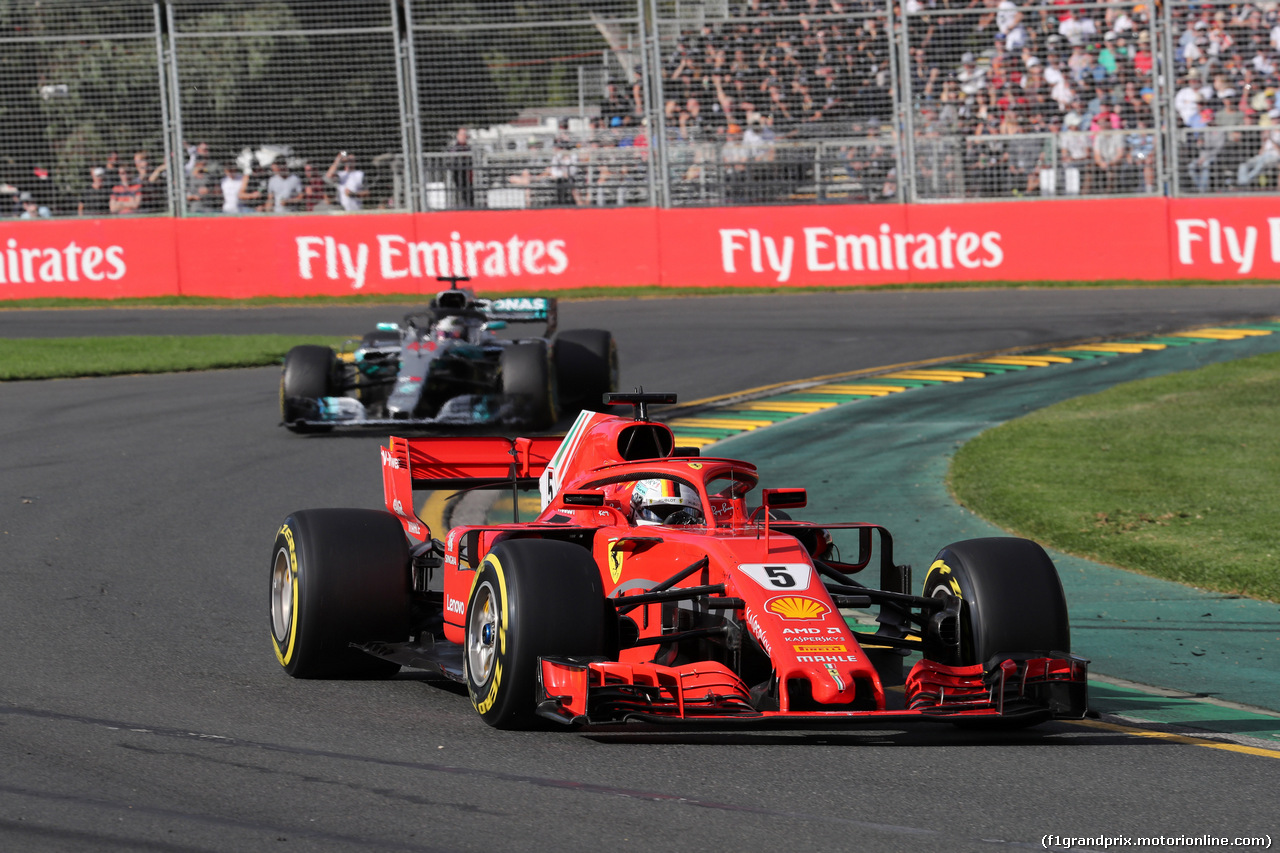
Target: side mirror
495	325
583	498
780	498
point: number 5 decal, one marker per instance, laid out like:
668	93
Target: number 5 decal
790	576
780	576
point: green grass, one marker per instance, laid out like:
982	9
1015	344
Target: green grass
1176	477
640	292
53	358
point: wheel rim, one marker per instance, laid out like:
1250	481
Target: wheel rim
482	634
281	595
943	589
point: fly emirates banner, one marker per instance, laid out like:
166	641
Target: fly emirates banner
258	255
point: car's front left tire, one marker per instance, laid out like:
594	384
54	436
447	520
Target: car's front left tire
586	367
531	598
1011	599
528	383
1010	603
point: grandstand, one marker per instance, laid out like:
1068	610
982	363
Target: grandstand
129	107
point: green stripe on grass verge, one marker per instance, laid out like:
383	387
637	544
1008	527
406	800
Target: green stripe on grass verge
851	388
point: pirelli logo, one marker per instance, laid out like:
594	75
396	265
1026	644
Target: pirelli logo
812	648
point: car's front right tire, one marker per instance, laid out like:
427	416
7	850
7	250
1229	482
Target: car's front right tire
338	576
310	372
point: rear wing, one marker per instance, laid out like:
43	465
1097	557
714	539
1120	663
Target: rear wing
522	309
463	303
458	462
469	462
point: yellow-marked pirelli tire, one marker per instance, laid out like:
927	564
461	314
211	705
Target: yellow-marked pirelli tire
338	576
310	372
1011	597
586	367
528	382
530	598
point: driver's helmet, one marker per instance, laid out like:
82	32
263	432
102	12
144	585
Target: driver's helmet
665	502
451	328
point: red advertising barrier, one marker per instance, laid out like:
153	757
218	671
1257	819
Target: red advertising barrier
100	258
1149	239
404	253
1225	238
881	244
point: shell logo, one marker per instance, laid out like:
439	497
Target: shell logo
797	607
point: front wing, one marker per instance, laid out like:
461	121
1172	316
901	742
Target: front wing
1018	688
464	410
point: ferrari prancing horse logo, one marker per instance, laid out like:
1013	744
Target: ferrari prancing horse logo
616	556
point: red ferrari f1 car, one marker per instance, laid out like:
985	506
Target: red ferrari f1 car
652	588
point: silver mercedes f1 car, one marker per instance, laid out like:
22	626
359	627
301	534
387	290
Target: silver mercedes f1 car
445	364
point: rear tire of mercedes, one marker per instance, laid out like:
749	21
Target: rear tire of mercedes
531	598
338	576
1011	601
310	372
527	382
586	367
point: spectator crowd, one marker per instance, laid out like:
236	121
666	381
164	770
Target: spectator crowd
247	182
1062	99
791	100
1006	98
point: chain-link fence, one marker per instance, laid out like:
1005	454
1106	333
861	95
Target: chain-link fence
1224	59
776	102
531	105
197	107
82	122
1011	100
288	106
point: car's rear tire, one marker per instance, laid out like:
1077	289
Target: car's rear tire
1011	597
531	598
586	367
310	372
527	382
338	576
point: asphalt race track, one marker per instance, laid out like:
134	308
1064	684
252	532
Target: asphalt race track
721	344
141	707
